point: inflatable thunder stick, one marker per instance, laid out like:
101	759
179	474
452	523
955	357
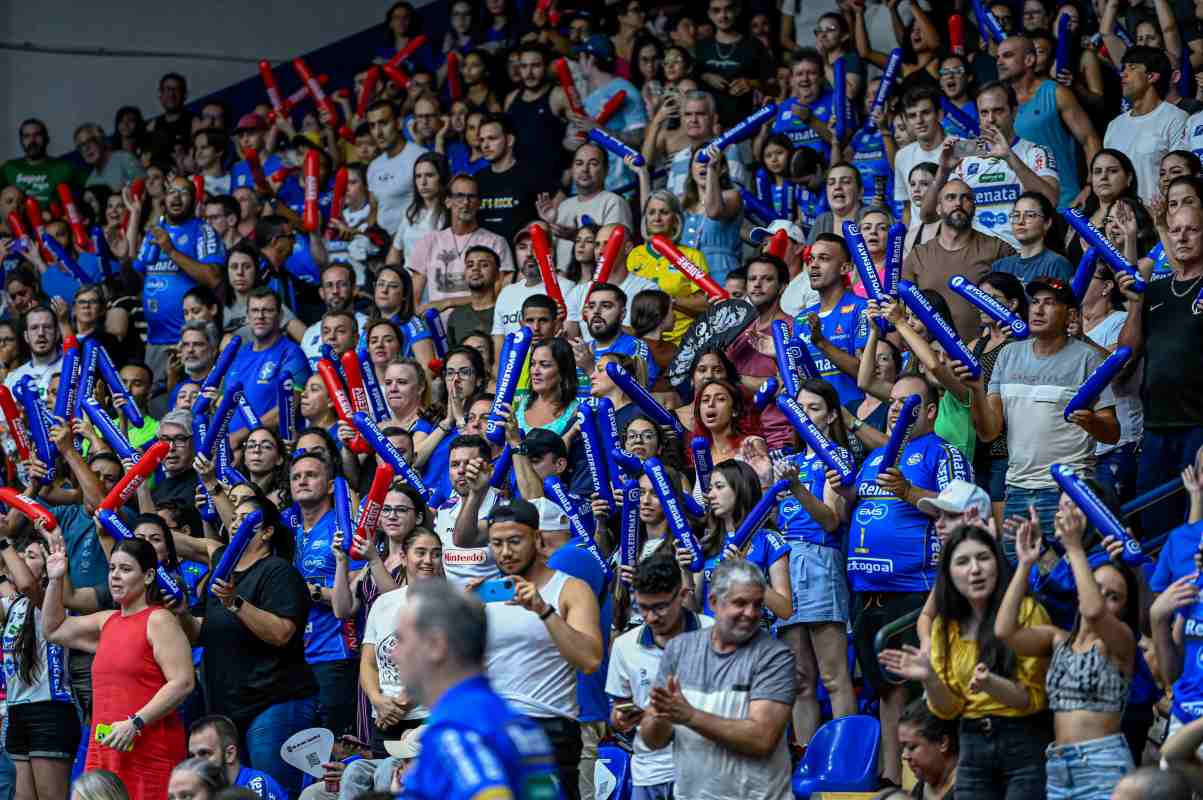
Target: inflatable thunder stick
901	432
669	250
741	130
677	522
1103	519
755	518
938	327
1098	380
130	482
237	547
217	374
369	516
824	448
989	306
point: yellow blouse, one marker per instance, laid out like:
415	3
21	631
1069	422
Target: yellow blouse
956	670
647	263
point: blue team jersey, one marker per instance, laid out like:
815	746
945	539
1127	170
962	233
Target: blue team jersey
167	283
869	158
953	127
793	520
845	326
1177	557
1188	689
893	546
628	345
800	134
259	373
767	549
261	784
240	173
413	330
583	561
1161	263
475	747
327	638
58	281
810	205
192	573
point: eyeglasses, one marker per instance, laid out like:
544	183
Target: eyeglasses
395	511
266	444
92	302
463	197
952	72
1015	216
819	31
176	441
462	372
659	609
644	436
178	190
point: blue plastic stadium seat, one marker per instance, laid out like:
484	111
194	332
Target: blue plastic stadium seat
842	757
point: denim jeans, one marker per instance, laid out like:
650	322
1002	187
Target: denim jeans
1117	470
1163	454
338	703
565	738
1002	758
1088	770
8	771
266	734
657	791
1017	502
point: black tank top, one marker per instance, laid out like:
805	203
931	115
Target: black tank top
539	131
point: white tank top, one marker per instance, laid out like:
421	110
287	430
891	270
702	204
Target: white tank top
522	662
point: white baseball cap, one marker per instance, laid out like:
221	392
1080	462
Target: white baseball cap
758	235
407	747
551	516
958	497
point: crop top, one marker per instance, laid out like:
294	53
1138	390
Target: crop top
1086	681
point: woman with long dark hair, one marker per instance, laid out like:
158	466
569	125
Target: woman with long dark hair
1092	664
734	491
713	213
142	671
552	400
428	211
43	729
971	674
721	415
265	457
394	298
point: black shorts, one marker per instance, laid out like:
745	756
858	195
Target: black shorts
872	612
45	729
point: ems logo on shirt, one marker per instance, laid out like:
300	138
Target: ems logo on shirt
183	238
870	511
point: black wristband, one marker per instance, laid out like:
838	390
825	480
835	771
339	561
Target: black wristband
550	610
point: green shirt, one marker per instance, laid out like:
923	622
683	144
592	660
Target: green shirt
138	437
954	424
38	180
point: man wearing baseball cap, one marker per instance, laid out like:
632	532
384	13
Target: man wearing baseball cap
957	503
1032	382
596	58
249	134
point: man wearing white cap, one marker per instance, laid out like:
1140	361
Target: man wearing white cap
958	503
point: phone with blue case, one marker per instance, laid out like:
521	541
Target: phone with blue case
497	590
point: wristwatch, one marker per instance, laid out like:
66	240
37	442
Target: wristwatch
238	601
139	723
316	594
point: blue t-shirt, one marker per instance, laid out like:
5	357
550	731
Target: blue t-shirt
793	520
628	345
327	638
259	371
458	154
167	283
767	549
413	330
261	784
435	474
1188	689
952	125
877	176
86	563
845	326
579	561
630	116
240	173
475	747
810	206
192	573
1177	556
800	134
893	546
58	281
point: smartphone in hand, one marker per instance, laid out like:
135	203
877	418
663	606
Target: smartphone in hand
497	590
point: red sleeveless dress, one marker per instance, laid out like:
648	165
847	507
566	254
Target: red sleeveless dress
125	676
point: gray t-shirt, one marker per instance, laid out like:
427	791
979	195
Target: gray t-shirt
1034	391
1045	264
725	685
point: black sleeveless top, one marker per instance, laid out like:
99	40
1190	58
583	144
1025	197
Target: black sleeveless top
539	132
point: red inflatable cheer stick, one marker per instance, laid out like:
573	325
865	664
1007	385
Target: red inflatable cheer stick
313	214
198	189
12	418
610	255
395	75
454	87
407	51
33	213
16	227
28	508
273	91
354	374
366	92
542	248
130	482
340	196
83	242
342	406
369	517
564	73
956	34
325	104
611	107
778	244
665	247
252	161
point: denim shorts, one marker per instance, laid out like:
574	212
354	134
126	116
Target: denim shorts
1087	770
819	584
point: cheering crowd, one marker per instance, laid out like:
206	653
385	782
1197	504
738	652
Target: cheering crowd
598	401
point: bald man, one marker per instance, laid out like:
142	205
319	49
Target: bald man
1049	113
1165	324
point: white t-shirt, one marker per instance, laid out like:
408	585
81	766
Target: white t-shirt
1194	134
391	182
905	161
1145	139
633	667
604	208
1127	391
462	564
311	342
996	186
52	678
380	631
507	312
798	295
631	285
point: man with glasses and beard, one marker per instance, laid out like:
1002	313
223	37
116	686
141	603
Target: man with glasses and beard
635	660
957	249
37	174
178	253
734	666
45	356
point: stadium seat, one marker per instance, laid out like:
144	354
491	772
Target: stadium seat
842	757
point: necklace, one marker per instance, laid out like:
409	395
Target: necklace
1187	290
718	49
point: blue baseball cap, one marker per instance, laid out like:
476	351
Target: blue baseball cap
596	45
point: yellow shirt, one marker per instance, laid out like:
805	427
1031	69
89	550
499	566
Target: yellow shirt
957	670
646	263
